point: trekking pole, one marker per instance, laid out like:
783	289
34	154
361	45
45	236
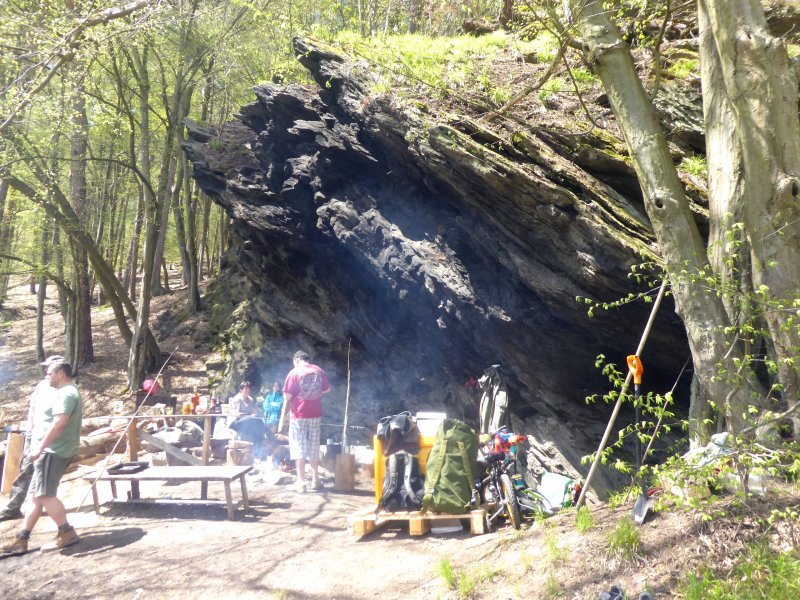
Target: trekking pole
622	391
131	420
346	401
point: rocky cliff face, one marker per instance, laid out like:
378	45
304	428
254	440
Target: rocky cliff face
423	248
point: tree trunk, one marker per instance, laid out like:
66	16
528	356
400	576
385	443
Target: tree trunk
204	260
129	278
178	208
413	15
680	243
6	229
156	288
140	358
47	235
761	85
84	348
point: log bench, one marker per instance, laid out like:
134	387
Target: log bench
203	474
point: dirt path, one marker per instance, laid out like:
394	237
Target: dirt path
288	545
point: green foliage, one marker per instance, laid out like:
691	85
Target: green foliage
621	497
465	581
466	585
445	570
684	68
582	75
624	541
552	86
552	587
762	573
584	521
555	553
449	65
696	165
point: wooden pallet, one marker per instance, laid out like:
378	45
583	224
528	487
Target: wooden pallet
367	521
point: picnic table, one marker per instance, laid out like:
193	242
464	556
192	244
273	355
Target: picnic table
226	474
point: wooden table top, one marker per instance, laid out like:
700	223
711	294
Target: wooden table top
181	473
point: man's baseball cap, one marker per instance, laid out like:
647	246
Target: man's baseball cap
52	359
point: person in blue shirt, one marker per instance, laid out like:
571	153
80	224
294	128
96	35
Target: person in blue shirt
273	404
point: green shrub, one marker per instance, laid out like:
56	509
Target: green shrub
554	85
466	585
684	68
624	540
552	587
696	165
445	571
762	573
583	520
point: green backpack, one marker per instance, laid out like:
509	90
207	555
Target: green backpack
450	481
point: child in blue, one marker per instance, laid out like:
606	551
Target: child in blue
272	404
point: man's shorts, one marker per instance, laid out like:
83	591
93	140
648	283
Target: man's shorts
47	472
304	439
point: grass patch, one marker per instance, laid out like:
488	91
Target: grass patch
552	588
465	581
762	573
555	553
445	570
552	86
584	520
466	585
684	68
584	76
447	63
527	561
624	540
696	165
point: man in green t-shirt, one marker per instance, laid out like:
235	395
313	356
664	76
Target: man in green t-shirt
54	443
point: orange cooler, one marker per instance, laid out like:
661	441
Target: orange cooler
379	460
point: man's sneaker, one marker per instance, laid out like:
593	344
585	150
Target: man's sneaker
300	487
10	515
66	538
18	546
317	485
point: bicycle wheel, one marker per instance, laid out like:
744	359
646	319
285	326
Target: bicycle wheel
531	502
510	501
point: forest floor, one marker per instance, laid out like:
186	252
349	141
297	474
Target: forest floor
290	545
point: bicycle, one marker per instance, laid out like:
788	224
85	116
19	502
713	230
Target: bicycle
497	490
508	492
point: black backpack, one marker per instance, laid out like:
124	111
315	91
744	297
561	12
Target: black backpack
398	432
403	485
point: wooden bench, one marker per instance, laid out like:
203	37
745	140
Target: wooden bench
203	474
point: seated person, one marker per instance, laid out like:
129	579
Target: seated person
246	419
243	403
273	405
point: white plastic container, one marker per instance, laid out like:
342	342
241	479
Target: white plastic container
428	422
